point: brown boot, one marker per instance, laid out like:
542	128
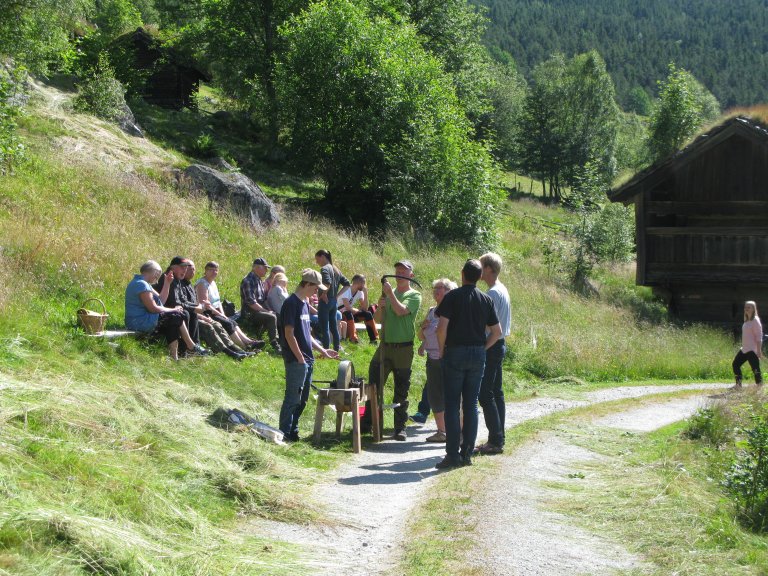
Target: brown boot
351	332
373	334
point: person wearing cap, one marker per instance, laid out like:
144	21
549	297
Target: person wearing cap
397	313
297	346
467	327
255	311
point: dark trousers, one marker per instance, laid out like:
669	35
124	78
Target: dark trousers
361	316
397	360
326	314
298	380
463	368
424	407
492	395
260	321
751	357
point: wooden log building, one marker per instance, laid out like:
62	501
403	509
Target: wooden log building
702	224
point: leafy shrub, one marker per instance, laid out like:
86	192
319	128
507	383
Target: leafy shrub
711	424
101	94
12	98
747	479
205	146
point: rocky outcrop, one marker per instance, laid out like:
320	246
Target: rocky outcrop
127	122
234	190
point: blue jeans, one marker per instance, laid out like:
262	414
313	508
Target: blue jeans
463	368
326	313
492	395
298	378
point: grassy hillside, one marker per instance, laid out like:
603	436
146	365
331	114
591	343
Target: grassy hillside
106	462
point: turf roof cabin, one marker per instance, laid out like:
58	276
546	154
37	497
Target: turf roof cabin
702	223
170	80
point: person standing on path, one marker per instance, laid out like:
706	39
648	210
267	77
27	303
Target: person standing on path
751	345
398	308
468	326
491	392
429	345
297	345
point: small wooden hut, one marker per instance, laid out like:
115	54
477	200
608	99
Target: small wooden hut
171	81
702	224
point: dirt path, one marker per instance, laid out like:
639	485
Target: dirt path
372	496
512	515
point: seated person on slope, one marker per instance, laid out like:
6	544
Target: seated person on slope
144	310
354	307
211	332
207	289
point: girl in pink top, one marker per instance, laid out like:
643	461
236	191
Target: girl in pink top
751	344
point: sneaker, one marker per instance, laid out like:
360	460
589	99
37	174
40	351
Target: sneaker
466	460
447	463
199	351
257	345
276	348
437	437
419	418
400	436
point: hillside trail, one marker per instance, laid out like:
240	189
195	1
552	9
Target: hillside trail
369	500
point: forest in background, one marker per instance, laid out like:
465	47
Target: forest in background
723	44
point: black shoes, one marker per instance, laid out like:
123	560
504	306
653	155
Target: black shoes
488	449
257	345
276	348
450	462
400	436
235	354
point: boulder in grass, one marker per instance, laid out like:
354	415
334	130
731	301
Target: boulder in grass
234	191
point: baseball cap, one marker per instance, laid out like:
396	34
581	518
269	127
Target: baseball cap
179	261
313	277
405	264
261	262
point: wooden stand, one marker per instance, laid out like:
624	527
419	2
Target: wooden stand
348	400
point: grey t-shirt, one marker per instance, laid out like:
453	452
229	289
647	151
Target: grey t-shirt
503	308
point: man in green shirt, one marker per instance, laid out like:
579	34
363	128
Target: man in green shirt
397	313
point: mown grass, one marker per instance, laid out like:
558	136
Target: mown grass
655	493
105	457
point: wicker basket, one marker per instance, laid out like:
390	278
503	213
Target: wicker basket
92	322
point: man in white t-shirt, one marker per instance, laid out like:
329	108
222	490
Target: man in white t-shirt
491	391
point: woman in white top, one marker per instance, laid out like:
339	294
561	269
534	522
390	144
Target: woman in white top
278	293
207	289
751	344
353	304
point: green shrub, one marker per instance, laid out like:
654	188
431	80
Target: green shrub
711	424
101	94
205	147
747	479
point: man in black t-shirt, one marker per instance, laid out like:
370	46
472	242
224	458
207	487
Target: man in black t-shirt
466	316
297	344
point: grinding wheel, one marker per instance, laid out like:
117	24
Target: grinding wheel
345	375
